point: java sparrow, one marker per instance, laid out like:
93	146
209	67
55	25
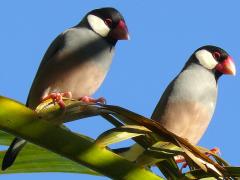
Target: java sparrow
75	64
188	103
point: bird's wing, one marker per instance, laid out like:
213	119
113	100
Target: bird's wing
160	108
53	49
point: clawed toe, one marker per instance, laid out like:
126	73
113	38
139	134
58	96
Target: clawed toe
58	98
88	99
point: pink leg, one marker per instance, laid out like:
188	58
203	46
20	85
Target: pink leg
58	98
88	99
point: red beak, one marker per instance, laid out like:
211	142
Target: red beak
227	66
120	32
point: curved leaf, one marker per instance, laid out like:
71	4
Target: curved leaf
120	134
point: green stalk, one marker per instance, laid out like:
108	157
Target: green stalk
21	121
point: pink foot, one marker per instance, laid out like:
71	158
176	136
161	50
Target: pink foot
58	98
215	150
88	99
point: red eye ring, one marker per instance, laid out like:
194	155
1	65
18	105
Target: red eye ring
108	21
216	55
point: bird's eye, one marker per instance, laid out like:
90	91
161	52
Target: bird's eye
216	55
108	22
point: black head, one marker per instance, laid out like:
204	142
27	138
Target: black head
214	59
108	23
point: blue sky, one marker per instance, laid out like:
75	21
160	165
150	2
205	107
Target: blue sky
163	36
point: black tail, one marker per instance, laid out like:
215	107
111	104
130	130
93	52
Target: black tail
12	152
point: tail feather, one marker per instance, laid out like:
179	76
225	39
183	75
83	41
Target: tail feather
12	152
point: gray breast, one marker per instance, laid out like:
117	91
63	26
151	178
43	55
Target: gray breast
188	103
196	84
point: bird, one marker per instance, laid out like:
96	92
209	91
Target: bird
187	105
75	64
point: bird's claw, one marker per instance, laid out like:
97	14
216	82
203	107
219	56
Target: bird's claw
215	150
88	99
58	98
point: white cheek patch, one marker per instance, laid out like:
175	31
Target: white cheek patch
206	59
98	25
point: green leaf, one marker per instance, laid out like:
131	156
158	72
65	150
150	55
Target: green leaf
23	122
158	152
233	171
170	169
36	159
5	138
120	134
199	174
191	152
162	153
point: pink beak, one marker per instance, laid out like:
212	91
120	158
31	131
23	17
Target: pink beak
120	32
227	66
